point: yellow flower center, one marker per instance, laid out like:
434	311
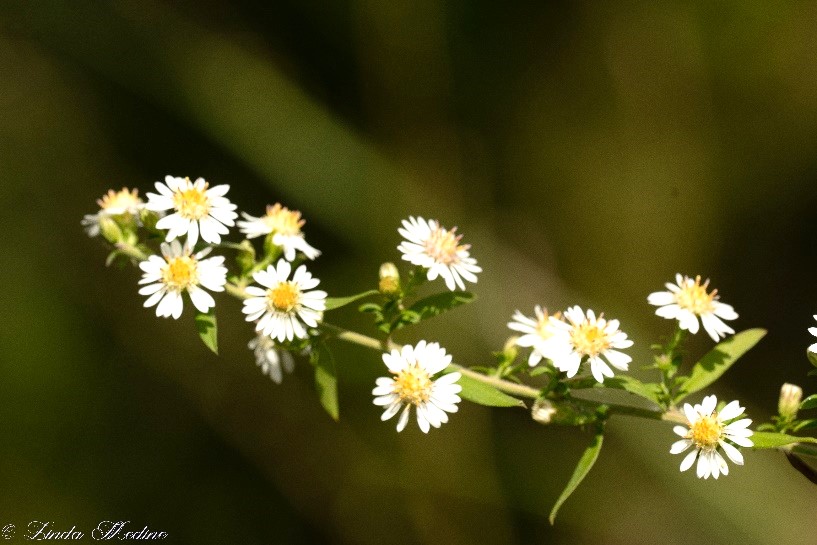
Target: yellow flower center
706	432
124	199
443	245
180	273
281	219
589	339
413	384
693	297
192	203
284	297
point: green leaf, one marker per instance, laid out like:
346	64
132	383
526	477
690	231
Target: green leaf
809	403
800	465
648	391
326	380
718	360
207	328
805	425
812	373
812	357
765	439
336	302
434	305
485	394
582	469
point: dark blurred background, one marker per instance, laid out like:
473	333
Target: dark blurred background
587	151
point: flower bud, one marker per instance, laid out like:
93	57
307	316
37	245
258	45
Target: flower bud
246	256
149	219
389	279
542	411
510	350
109	229
789	403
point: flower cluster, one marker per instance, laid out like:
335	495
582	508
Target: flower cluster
567	339
201	215
172	238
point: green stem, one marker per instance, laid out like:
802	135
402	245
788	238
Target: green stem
236	291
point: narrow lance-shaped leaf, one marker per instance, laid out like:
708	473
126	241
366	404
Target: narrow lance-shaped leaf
485	394
800	465
647	391
809	403
336	302
326	380
434	305
767	439
207	329
718	360
586	462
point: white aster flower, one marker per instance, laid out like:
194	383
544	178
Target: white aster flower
271	359
285	225
197	209
179	271
813	331
710	433
283	307
438	250
538	333
687	300
113	203
581	335
412	385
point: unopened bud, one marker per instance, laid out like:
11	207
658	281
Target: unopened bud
543	411
246	256
789	403
109	229
389	279
149	219
510	350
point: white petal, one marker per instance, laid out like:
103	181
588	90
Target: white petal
733	453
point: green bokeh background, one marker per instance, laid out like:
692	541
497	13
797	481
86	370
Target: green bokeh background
587	150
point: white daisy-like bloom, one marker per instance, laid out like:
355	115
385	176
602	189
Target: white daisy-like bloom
198	209
113	203
687	300
285	308
271	359
285	226
439	250
538	333
412	385
813	331
583	335
709	433
179	271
